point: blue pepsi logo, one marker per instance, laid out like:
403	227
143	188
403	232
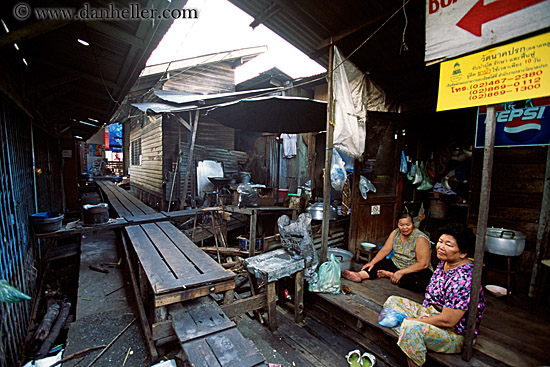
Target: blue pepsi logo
521	124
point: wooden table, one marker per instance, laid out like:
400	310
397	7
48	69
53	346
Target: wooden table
172	269
253	213
269	268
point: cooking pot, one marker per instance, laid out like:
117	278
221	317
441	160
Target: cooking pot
316	211
507	242
342	255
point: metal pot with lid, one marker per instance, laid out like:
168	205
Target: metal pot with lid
506	242
316	211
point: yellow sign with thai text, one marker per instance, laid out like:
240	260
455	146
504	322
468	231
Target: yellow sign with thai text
513	72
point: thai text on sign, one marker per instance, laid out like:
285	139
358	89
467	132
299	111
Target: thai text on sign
512	72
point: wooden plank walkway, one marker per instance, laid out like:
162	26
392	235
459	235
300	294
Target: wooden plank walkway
509	336
127	205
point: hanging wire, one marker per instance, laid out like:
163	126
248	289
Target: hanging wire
404	47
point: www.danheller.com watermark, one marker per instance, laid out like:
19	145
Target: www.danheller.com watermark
23	11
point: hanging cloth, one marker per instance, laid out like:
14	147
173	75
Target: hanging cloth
350	113
289	145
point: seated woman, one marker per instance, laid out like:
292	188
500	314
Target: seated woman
439	324
409	267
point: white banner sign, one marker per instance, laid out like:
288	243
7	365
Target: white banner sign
458	27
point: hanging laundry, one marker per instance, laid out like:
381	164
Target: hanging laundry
289	145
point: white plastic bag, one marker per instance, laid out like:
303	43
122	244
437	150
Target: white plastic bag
338	173
365	186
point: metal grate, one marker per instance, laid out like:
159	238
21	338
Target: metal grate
16	204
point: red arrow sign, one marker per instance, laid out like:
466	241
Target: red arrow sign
481	13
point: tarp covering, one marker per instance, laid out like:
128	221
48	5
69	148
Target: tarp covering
350	100
274	114
181	97
162	107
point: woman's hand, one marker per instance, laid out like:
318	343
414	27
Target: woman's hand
368	266
396	277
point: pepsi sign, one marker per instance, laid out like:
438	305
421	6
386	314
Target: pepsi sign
519	123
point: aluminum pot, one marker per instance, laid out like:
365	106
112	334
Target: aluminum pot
316	211
506	242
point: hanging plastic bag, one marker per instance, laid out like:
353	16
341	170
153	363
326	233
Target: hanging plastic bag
338	173
248	197
403	166
412	172
390	318
328	280
11	294
426	183
365	186
417	174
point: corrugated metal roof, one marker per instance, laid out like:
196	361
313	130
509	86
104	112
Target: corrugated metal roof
309	24
64	81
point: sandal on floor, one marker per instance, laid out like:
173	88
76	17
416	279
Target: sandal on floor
368	360
350	275
354	358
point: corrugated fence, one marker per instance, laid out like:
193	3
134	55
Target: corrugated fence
16	204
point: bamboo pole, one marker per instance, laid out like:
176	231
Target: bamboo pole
483	215
543	235
328	157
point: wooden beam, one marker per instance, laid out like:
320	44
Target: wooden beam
328	158
543	235
349	31
115	33
184	123
267	13
36	29
485	196
189	160
245	305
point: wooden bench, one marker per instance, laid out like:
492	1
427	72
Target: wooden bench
173	269
497	345
127	206
209	338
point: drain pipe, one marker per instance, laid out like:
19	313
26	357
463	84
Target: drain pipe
34	171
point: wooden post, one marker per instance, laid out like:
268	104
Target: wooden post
252	239
543	235
485	196
328	159
189	161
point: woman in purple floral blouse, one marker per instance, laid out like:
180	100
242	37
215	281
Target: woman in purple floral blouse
439	323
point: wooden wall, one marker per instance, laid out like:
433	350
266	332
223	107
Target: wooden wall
148	176
203	79
516	192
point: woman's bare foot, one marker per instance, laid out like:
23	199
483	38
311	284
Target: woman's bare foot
355	277
384	274
351	275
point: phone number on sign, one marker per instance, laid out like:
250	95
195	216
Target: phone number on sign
499	87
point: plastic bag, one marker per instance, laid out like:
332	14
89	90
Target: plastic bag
338	173
11	294
329	277
390	318
365	186
248	197
426	183
403	166
412	172
417	174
